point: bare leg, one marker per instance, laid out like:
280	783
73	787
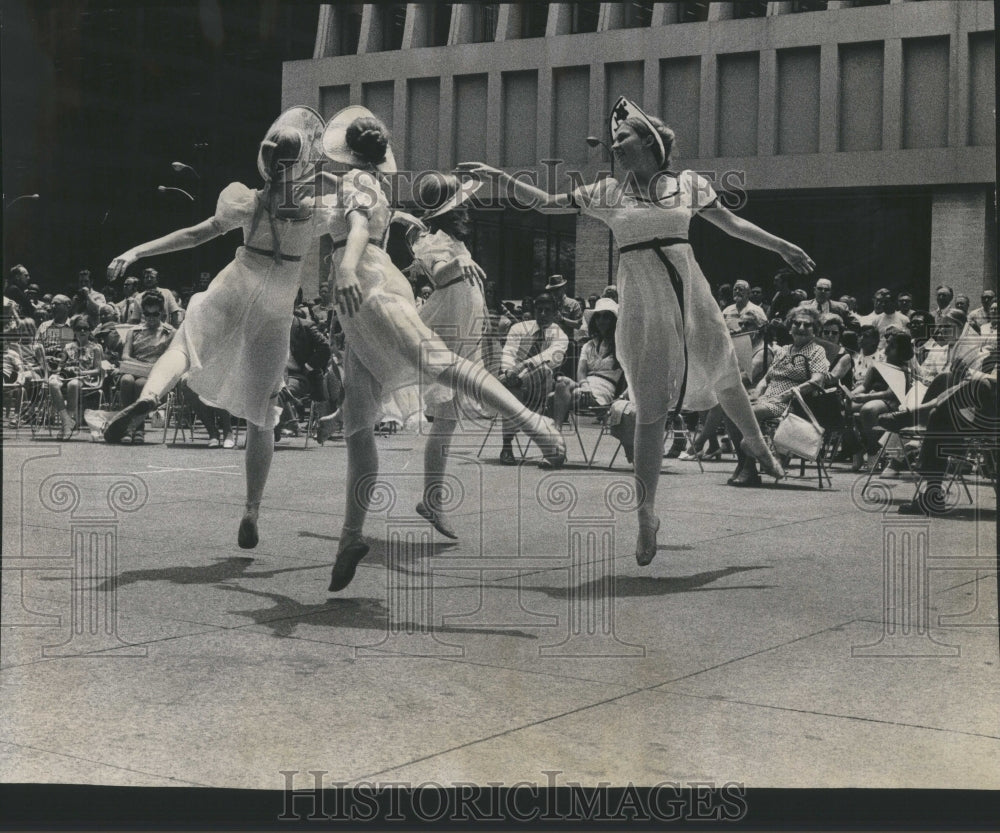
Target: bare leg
435	460
362	464
562	401
260	450
162	378
648	459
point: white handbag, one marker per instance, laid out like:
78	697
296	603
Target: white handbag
797	436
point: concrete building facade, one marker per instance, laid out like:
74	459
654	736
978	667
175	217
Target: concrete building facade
865	132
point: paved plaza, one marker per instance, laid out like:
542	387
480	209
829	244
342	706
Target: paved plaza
783	636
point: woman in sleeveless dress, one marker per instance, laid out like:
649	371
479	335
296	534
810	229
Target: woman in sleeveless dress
387	345
233	342
672	341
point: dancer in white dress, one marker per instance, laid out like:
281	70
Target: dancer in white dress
456	311
672	341
233	343
387	346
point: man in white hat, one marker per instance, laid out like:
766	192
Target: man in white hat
569	316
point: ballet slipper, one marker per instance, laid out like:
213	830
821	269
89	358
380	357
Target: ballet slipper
352	550
247	536
762	454
436	520
121	423
645	546
552	444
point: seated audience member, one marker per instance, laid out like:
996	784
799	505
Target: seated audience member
869	353
172	313
802	364
851	303
872	396
740	305
57	332
217	421
842	364
611	291
904	303
980	316
79	367
87	301
944	296
724	295
878	302
757	297
308	357
929	357
130	307
533	351
144	344
990	327
598	370
965	408
889	320
108	336
528	309
34	368
822	301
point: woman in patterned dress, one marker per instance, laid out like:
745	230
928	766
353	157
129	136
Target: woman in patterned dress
671	340
233	343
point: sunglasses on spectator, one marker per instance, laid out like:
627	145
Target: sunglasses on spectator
81	329
802	324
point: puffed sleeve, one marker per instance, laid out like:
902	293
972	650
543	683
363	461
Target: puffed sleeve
700	191
235	206
361	193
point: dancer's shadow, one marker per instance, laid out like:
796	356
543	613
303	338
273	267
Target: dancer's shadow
286	614
652	585
222	570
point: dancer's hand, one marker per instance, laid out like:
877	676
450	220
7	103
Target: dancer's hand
480	168
120	264
797	259
474	274
347	292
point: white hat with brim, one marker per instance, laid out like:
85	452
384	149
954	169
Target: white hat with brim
335	140
309	124
606	305
466	188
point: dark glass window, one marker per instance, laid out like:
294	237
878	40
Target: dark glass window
743	9
484	25
808	5
638	15
393	23
585	17
350	30
694	12
534	19
857	3
438	24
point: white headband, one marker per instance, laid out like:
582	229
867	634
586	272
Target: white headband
624	110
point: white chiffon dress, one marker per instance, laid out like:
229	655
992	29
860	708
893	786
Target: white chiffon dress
672	341
456	311
236	332
386	345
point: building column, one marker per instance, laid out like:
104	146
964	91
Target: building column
958	242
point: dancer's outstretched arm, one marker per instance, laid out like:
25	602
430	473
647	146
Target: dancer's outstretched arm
745	230
185	238
535	197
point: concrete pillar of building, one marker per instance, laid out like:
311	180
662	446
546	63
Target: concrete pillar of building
720	11
778	8
370	38
592	242
958	242
611	16
415	28
462	21
664	13
508	21
327	35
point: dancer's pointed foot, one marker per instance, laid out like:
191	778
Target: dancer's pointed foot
645	546
762	454
352	550
552	444
122	423
436	520
247	537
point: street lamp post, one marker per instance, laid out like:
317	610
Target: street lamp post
164	188
593	141
22	197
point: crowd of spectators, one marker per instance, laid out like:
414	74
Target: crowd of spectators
553	351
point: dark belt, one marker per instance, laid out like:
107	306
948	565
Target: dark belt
339	244
270	253
658	244
655	243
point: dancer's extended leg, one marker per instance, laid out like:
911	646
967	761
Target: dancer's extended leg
648	457
362	466
260	451
162	378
